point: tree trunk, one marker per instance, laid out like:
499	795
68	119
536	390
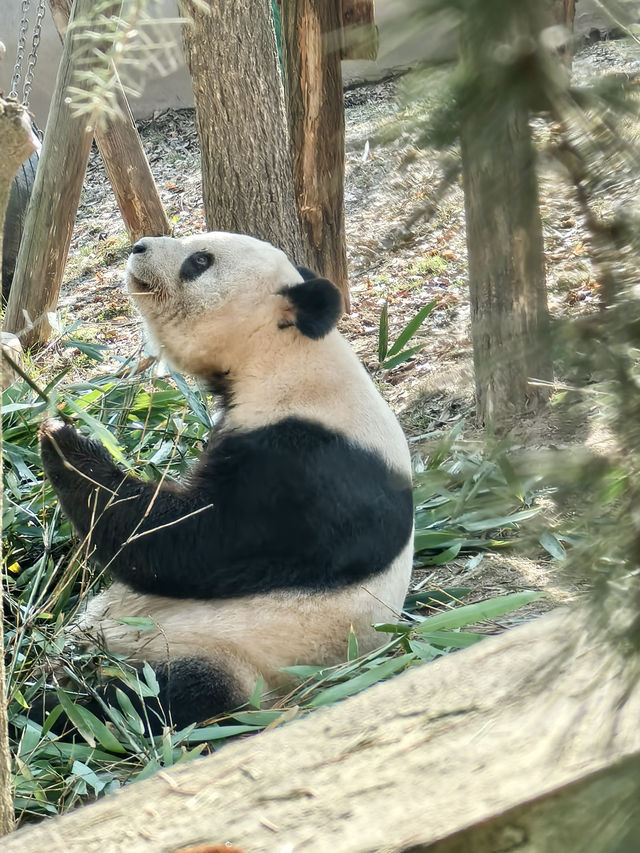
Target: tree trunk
17	143
359	31
509	317
528	742
124	159
56	192
246	167
312	48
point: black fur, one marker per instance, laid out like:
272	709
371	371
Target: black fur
287	506
317	303
190	690
306	273
195	265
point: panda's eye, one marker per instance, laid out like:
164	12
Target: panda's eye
195	265
202	260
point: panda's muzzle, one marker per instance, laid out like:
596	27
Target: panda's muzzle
137	285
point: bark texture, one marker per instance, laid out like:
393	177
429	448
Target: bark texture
526	742
312	47
17	144
509	317
54	199
124	159
246	167
359	31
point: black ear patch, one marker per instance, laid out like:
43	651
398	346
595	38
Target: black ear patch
316	306
306	273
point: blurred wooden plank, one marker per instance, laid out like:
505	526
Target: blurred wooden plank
525	742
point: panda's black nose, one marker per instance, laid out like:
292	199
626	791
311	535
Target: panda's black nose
138	247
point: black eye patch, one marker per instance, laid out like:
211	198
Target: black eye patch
195	265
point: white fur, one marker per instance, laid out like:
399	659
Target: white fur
260	633
227	321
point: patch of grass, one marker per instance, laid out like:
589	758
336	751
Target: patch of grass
122	309
94	255
464	502
429	265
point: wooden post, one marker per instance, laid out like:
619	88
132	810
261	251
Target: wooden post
312	50
17	144
359	31
124	159
54	199
509	316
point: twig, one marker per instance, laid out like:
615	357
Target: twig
24	376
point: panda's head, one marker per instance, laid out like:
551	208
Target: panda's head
210	300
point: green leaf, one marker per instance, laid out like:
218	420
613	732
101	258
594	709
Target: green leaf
52	716
87	775
553	546
258	718
194	403
303	672
447	555
90	727
452	639
383	332
93	351
212	733
133	719
150	678
493	523
437	539
411	328
352	646
142	623
360	682
405	355
436	596
469	614
100	432
256	697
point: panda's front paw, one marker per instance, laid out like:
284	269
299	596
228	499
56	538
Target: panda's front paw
65	453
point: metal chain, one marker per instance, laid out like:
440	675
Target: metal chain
33	56
22	40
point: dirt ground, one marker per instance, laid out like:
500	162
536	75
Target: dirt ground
389	178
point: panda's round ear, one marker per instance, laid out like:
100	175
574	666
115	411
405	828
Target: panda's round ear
314	306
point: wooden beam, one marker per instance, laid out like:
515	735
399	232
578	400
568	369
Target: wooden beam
54	198
359	32
526	741
18	144
123	156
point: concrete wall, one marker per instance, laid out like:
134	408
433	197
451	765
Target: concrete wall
400	47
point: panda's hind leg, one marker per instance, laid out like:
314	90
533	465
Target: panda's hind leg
190	690
195	689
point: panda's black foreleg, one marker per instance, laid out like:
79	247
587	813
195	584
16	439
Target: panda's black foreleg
130	526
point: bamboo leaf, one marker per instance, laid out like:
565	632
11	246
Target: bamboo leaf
553	546
360	682
469	614
411	328
405	355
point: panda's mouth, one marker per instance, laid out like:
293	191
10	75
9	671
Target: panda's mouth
137	285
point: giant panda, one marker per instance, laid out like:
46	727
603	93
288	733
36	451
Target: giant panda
296	522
